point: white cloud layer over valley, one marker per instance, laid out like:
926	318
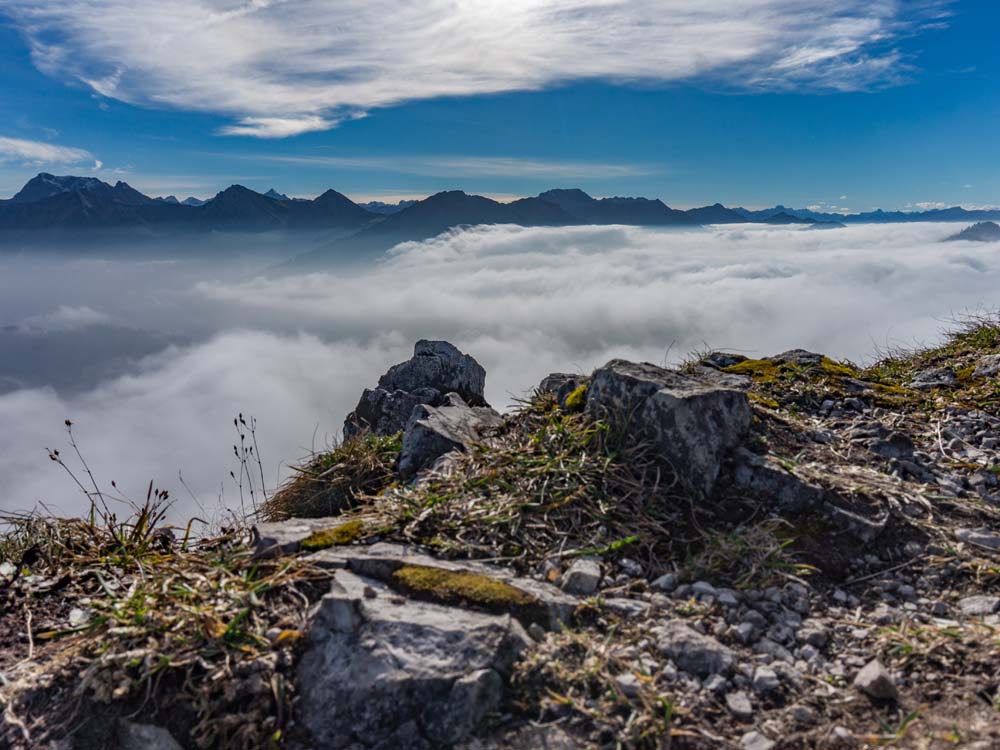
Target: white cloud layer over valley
296	351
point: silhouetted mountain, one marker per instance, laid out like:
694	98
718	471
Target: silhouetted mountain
53	203
272	193
984	231
378	207
715	214
635	211
192	201
45	185
432	216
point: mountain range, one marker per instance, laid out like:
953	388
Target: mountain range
66	204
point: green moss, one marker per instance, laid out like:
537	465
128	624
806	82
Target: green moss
770	403
760	370
345	533
576	400
964	374
837	369
461	587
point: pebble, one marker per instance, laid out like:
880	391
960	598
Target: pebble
667	582
739	705
582	577
875	681
765	680
756	741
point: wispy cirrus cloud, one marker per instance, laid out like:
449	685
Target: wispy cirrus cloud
39	153
284	68
470	166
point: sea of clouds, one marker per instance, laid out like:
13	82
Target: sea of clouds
296	351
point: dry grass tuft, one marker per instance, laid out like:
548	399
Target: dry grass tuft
333	482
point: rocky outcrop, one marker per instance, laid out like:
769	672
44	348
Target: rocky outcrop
692	421
432	432
436	369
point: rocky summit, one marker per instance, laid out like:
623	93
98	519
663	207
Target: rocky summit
783	552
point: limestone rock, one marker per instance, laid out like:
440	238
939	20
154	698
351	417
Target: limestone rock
988	367
691	651
874	680
385	412
436	369
979	606
383	670
431	432
582	577
691	421
441	366
549	607
939	377
132	736
739	705
980	537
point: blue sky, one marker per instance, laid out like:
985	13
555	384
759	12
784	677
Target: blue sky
832	103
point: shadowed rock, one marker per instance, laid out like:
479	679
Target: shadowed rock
436	369
431	432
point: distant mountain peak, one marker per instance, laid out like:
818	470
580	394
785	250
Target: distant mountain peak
272	193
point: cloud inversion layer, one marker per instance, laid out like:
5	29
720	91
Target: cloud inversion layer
284	68
524	302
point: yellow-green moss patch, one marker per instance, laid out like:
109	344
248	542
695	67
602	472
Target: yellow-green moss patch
461	587
345	533
770	403
760	370
576	400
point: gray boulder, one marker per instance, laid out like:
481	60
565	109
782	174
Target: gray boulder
432	431
382	670
441	366
692	421
691	651
436	369
385	412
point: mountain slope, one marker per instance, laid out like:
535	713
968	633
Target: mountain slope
716	214
634	211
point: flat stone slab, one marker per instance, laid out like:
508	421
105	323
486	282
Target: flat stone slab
383	670
381	561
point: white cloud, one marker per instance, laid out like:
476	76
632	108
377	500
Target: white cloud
471	166
40	153
64	318
524	302
928	205
283	68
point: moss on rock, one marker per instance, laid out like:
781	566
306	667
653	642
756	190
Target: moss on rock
345	533
462	587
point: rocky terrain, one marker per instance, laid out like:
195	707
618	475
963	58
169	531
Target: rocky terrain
788	552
